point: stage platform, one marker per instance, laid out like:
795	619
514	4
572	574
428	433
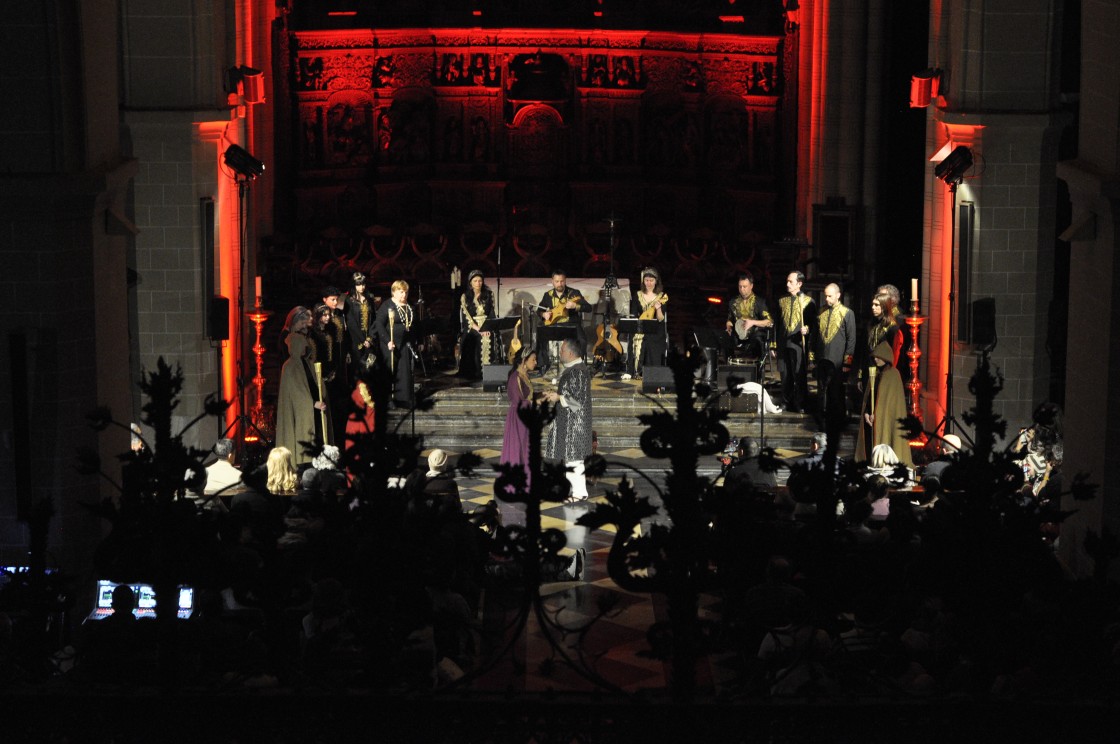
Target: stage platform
468	418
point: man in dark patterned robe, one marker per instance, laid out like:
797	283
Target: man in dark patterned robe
570	437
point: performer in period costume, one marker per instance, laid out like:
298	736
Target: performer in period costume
884	403
899	320
360	312
896	301
795	341
748	321
884	327
569	439
835	348
329	343
360	419
394	331
475	347
515	439
339	363
302	415
560	306
648	303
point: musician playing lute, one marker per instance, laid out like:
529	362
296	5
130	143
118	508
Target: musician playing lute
648	303
561	306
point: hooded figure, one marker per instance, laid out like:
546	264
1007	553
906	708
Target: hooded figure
884	403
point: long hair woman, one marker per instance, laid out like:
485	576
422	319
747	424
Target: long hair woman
515	439
301	413
648	303
476	348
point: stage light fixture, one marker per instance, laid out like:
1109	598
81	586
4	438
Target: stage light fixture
239	159
951	169
925	87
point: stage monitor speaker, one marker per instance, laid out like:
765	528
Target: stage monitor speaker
984	322
742	403
217	319
494	377
745	373
658	378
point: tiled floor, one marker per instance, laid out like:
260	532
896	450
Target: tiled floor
593	622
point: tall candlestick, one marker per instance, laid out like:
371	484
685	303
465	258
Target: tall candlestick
260	419
915	320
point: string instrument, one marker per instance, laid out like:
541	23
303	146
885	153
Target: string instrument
607	347
515	342
559	312
651	312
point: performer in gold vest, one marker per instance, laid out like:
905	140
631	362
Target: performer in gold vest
648	303
795	342
836	346
748	321
560	306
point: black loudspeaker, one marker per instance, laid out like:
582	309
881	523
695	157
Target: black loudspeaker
658	378
984	322
745	373
742	403
217	319
494	377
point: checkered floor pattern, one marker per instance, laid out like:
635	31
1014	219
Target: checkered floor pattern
615	645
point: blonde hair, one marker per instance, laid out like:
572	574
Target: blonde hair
282	476
882	456
399	284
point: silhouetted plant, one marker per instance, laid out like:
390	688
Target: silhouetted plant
673	559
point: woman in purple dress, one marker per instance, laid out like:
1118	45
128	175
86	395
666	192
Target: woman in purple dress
515	440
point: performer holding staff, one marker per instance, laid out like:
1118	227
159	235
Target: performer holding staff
794	343
301	396
394	329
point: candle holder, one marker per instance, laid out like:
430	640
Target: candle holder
259	418
915	321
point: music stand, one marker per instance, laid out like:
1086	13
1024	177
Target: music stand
708	339
496	326
554	334
636	325
421	329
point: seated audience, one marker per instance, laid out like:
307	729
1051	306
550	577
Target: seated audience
221	475
282	475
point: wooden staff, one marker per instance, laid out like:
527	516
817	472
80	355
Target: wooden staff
871	373
392	358
322	395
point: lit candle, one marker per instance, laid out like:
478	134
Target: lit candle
258	286
914	290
